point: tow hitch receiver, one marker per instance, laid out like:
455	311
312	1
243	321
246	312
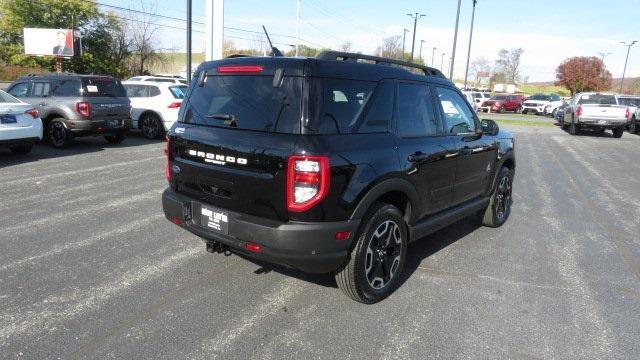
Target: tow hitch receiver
215	247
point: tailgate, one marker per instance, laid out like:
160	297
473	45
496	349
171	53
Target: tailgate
604	112
241	171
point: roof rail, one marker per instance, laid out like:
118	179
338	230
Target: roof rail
346	56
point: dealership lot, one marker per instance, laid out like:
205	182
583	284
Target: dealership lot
89	268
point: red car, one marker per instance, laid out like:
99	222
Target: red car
504	102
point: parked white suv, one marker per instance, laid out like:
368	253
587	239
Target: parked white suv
20	124
154	105
542	104
164	79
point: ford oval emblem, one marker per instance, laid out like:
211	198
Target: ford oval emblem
175	169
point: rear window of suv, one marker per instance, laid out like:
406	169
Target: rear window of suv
252	100
102	87
598	99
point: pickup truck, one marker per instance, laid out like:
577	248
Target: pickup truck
596	111
634	102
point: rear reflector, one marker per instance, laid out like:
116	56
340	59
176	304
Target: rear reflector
253	247
343	235
175	105
241	69
176	220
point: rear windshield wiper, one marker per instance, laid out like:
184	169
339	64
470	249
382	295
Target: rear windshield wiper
229	119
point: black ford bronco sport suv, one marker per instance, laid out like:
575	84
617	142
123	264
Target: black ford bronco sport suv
331	164
73	105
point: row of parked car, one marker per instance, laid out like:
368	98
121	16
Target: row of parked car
60	107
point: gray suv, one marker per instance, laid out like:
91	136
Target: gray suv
72	105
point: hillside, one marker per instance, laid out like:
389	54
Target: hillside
548	86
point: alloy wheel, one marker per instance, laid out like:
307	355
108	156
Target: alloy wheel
57	134
150	127
383	254
503	197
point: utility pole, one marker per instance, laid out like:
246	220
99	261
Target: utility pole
189	18
433	56
297	26
442	62
603	55
466	71
421	42
624	72
404	37
415	24
455	40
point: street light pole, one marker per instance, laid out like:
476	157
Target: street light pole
404	38
466	71
442	62
421	42
189	17
455	40
433	56
415	24
624	72
297	26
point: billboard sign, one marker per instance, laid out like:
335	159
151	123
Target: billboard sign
52	42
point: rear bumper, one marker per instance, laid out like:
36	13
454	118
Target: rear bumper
602	123
97	127
21	135
310	247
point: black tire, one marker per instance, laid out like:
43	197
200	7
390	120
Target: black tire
524	112
574	128
633	127
57	134
116	138
501	110
151	126
499	208
21	149
617	132
375	253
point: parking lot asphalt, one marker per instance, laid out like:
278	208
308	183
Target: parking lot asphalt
89	268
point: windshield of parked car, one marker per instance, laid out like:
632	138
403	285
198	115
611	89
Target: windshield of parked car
103	86
6	98
629	101
540	97
499	97
598	99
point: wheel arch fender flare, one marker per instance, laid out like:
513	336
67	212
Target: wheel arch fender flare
508	160
386	187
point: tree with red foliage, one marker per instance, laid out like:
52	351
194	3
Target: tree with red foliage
583	73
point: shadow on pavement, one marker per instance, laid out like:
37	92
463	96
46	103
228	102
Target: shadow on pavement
83	145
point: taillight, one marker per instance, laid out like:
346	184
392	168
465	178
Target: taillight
83	108
628	114
33	112
307	181
167	152
175	105
579	111
242	69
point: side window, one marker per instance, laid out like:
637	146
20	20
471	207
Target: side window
154	91
20	90
457	114
342	103
415	111
380	112
41	89
66	88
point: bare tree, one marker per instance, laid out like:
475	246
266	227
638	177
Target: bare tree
391	47
481	69
508	63
143	40
346	46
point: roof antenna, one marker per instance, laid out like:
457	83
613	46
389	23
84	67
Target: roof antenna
274	50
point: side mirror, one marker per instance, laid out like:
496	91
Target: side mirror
490	127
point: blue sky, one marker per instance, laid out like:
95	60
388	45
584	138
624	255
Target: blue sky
548	31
